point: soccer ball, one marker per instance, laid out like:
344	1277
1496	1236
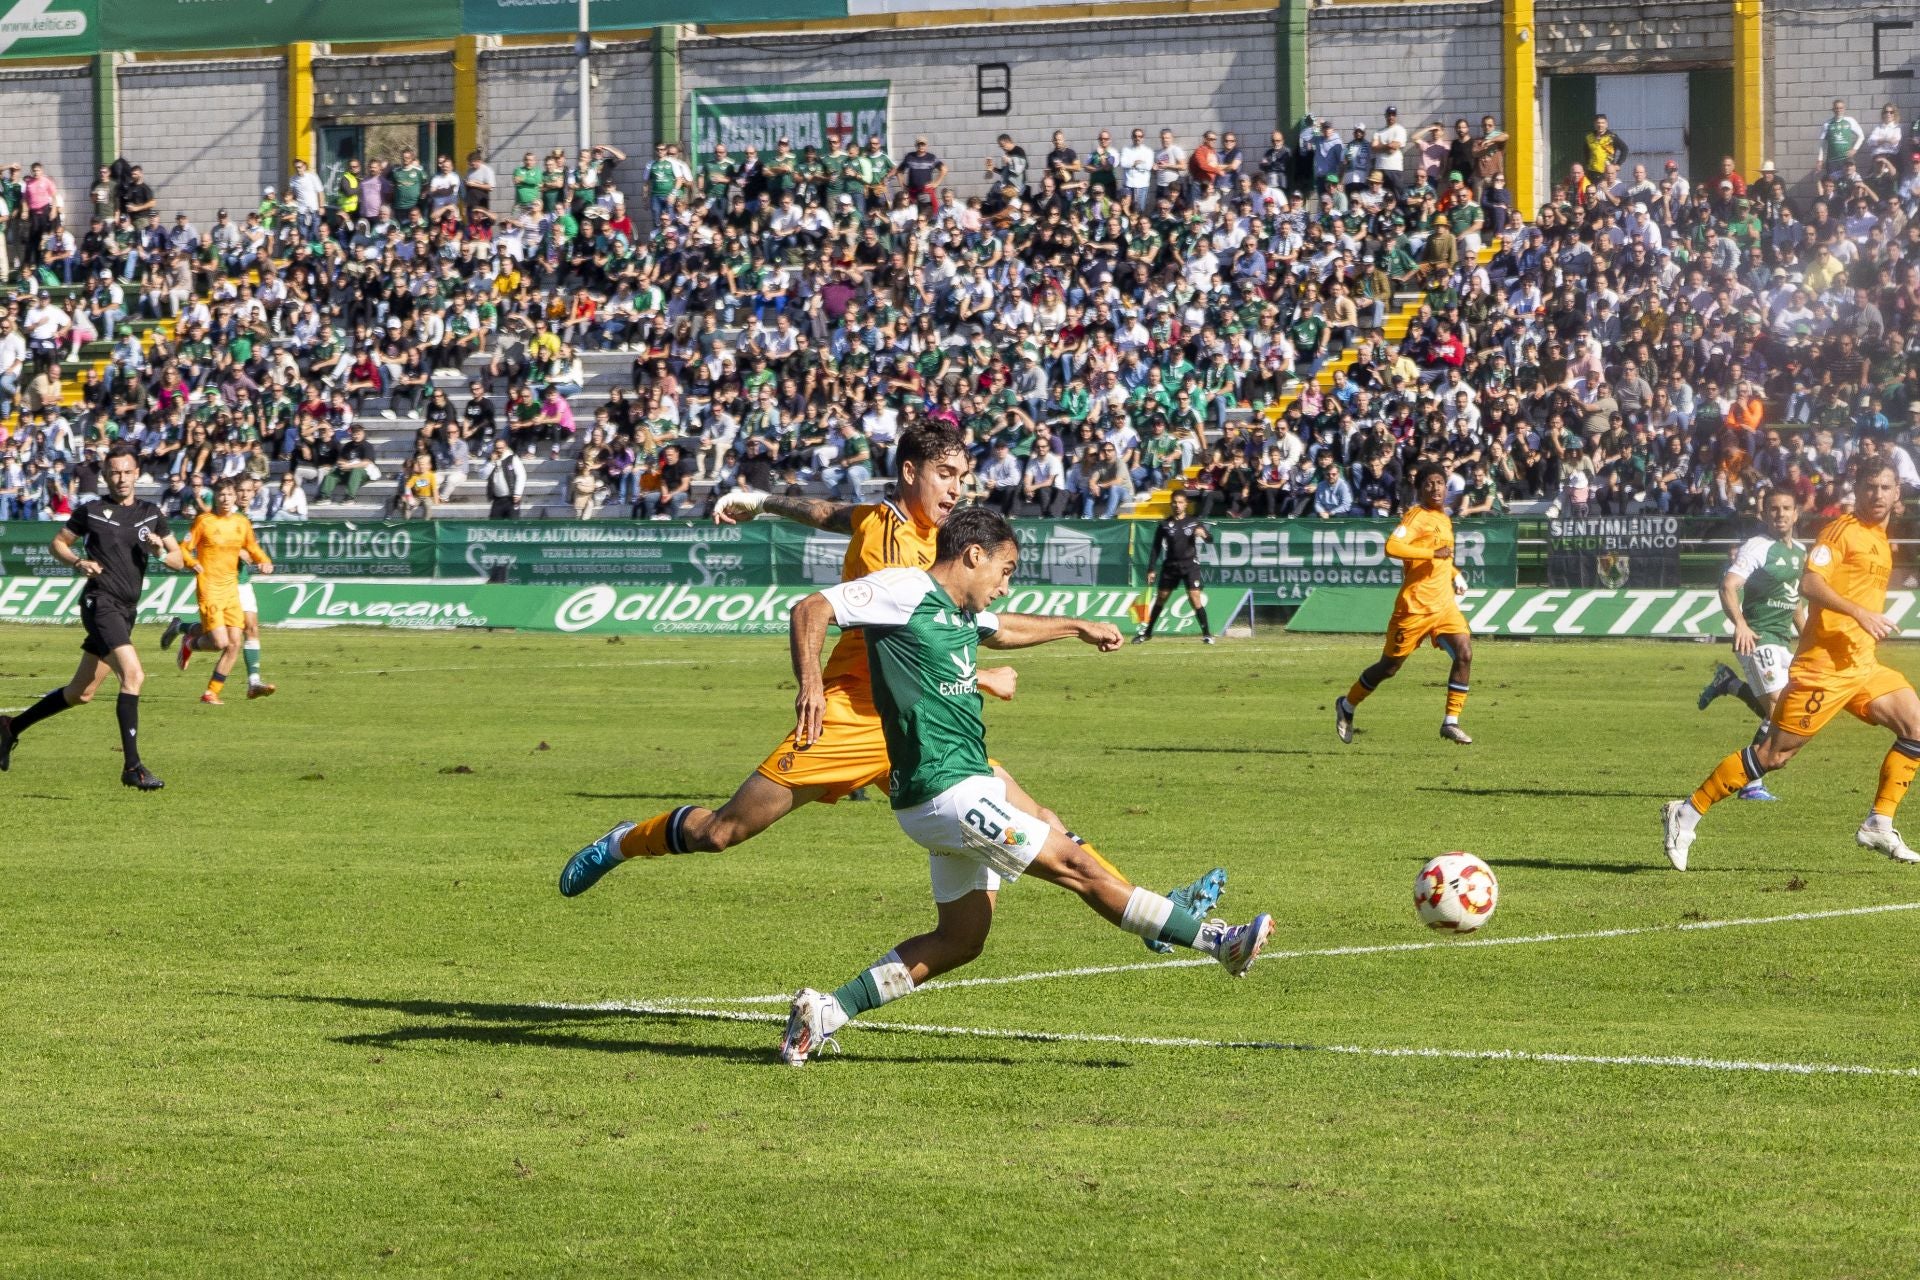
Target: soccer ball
1455	891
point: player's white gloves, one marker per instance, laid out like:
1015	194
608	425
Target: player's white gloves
739	505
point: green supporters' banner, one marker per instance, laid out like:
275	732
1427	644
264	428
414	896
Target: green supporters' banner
1286	559
557	551
252	24
351	549
26	549
1548	612
804	114
666	609
534	17
1057	553
49	28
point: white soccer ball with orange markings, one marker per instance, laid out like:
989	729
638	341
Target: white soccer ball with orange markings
1455	891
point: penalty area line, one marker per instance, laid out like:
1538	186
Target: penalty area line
1389	948
1676	1062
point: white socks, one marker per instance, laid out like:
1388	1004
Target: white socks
1689	816
890	978
1147	914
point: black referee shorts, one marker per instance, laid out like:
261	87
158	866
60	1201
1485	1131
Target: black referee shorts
1174	575
108	623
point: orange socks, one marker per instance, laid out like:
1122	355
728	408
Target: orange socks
1358	694
1896	771
1456	699
1731	774
657	836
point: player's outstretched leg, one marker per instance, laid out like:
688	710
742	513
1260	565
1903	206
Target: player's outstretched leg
814	1017
1679	819
1460	649
1900	712
175	626
1369	680
757	805
1200	897
1153	617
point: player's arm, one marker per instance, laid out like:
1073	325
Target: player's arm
1404	544
1732	586
256	555
806	637
189	550
817	513
1818	592
1024	630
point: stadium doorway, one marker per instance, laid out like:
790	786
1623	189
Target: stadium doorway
339	143
1684	116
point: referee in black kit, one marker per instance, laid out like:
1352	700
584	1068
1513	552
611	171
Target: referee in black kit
1178	540
117	536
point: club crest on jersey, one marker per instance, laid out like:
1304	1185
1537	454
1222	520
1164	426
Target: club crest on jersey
785	762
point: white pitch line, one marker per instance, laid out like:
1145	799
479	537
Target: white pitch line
1148	966
1274	1046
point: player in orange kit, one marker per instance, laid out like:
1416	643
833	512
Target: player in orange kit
1836	668
851	752
214	547
1427	608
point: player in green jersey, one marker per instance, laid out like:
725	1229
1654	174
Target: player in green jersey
923	630
1760	595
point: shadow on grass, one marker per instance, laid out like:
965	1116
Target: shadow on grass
627	795
1552	793
543	1027
1225	751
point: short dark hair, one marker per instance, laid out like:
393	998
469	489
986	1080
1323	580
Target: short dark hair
1770	494
1865	469
972	527
1427	469
928	443
123	451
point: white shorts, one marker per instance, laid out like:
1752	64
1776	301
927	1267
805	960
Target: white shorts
974	836
249	603
1765	668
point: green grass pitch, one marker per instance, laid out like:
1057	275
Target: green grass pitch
292	1016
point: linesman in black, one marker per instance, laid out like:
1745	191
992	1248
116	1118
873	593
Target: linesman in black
108	543
1176	546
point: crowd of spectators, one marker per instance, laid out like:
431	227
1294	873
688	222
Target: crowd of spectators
1097	322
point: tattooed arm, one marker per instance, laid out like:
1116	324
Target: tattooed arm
832	517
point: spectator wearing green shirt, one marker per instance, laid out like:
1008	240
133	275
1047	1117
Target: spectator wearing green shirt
663	185
409	182
852	466
526	185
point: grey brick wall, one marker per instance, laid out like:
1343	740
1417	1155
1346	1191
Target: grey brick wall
1822	52
1601	37
529	102
354	89
1185	74
49	118
208	133
1434	62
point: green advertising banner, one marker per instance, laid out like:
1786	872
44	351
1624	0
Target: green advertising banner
665	609
252	24
537	17
1670	613
804	114
1285	559
49	28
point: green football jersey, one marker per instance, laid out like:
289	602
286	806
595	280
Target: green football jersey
921	653
1771	596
